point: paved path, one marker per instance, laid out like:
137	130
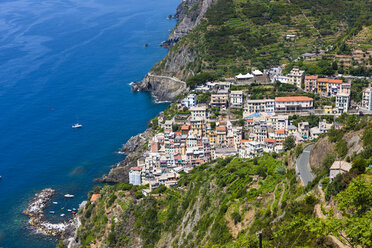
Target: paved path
165	77
303	166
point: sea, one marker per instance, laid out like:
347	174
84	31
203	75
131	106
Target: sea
63	62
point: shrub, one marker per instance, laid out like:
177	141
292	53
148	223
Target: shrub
236	217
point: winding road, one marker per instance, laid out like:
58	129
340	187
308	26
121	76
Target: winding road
303	166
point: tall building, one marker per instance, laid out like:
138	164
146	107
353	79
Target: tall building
311	83
367	99
342	102
236	98
296	77
135	176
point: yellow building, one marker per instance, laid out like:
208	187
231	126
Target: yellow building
328	110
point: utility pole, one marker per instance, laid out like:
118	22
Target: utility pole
260	239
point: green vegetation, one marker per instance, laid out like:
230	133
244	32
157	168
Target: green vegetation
212	204
237	35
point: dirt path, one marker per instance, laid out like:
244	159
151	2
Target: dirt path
319	214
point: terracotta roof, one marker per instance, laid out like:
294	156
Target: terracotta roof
292	98
185	127
177	133
223	128
270	140
243	141
311	77
322	79
280	131
335	81
95	197
136	168
249	120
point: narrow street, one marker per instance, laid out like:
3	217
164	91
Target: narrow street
303	167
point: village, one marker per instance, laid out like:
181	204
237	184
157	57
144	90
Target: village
221	119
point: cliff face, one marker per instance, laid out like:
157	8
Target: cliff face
189	13
166	79
163	88
134	148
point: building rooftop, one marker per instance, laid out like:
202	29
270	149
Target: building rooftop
292	98
341	165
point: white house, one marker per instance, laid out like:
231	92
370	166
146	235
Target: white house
190	101
257	73
339	167
236	98
280	78
135	176
342	102
367	99
199	112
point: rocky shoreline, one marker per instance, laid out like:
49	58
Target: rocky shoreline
35	211
133	148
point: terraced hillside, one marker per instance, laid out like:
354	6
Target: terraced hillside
235	35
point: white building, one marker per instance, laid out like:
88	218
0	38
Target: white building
236	98
342	102
339	167
280	78
242	77
288	104
199	112
367	99
280	122
190	101
135	176
259	106
257	73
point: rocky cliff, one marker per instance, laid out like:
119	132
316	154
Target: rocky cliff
163	88
189	13
134	148
166	79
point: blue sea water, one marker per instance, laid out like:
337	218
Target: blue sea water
63	61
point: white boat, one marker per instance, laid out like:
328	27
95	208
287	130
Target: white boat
62	215
77	125
51	212
69	196
55	203
69	210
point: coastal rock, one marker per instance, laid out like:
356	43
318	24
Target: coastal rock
134	149
35	212
189	14
163	88
136	142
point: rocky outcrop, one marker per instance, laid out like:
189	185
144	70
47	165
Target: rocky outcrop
166	79
35	212
189	13
134	149
163	88
319	151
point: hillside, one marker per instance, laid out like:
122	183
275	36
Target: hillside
226	202
235	35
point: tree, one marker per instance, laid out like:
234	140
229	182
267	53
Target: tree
289	143
357	198
200	78
359	164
